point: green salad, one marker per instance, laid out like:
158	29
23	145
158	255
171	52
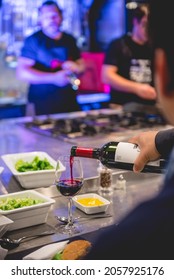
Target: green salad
35	165
14	203
58	256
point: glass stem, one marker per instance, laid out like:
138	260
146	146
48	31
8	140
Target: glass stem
70	217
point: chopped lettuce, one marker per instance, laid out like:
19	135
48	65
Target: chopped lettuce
34	165
14	203
57	256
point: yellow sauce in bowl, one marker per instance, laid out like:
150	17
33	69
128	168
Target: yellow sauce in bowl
90	201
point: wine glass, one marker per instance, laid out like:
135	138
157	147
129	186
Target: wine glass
68	184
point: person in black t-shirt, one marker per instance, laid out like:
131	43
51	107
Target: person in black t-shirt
47	59
127	65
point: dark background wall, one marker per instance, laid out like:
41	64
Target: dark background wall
106	21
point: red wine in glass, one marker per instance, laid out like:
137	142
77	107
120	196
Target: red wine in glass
68	184
69	187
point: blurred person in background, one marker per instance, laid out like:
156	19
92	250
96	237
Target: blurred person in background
127	66
147	232
48	57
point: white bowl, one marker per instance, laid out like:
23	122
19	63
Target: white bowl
32	179
28	215
5	224
91	209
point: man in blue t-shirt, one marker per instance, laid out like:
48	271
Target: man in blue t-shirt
48	58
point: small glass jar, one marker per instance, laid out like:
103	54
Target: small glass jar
105	179
120	183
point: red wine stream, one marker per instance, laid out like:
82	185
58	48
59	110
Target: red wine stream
69	187
71	159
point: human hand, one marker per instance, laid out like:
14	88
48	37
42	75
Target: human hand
148	151
146	91
61	78
70	66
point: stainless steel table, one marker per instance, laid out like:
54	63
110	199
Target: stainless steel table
15	138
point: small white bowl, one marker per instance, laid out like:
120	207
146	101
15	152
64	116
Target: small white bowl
28	215
32	179
91	209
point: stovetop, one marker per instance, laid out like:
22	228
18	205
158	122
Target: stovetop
94	124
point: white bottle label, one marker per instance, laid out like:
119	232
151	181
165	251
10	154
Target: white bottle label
128	152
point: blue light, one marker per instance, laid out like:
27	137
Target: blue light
93	98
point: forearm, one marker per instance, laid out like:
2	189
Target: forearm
164	142
111	77
119	83
35	76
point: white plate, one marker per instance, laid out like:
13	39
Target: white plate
47	252
91	209
32	179
1	169
5	224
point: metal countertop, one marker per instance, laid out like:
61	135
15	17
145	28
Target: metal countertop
15	138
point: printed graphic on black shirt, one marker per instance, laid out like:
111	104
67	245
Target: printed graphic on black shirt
140	71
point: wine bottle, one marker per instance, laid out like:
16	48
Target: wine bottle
119	155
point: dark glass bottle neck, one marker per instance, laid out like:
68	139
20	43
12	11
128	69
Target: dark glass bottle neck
85	152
